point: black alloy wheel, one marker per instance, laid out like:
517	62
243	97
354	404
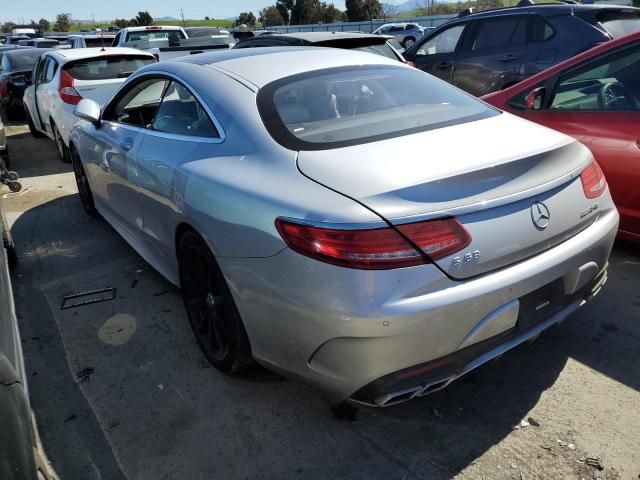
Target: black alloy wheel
212	312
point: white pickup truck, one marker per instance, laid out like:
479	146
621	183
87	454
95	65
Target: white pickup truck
167	42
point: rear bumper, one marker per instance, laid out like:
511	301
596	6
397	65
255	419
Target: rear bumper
346	331
426	378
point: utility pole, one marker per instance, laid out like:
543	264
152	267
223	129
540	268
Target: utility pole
182	15
93	19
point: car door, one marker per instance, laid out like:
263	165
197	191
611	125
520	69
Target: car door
111	166
598	103
436	55
491	54
45	92
183	131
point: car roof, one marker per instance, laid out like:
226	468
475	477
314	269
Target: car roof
81	53
153	27
90	36
260	66
543	8
317	37
592	52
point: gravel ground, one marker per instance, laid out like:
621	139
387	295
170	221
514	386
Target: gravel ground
120	389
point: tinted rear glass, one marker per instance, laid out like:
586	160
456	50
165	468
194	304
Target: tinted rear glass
619	23
97	42
383	50
107	67
349	106
23	59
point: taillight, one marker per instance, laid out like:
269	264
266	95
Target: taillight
4	88
410	63
593	181
376	248
67	92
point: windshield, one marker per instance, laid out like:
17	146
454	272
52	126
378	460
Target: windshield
348	106
172	35
23	59
384	50
620	23
107	67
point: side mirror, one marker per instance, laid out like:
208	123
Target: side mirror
535	99
88	110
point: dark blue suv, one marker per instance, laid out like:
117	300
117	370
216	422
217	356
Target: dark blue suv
491	50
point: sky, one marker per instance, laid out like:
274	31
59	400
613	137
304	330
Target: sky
19	10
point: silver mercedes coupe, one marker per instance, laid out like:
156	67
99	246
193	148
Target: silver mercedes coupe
342	218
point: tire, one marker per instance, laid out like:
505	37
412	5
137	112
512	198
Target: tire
408	41
82	182
5	159
61	148
212	312
32	128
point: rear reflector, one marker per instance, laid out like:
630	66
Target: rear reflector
376	248
593	181
68	94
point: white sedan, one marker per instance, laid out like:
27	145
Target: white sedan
61	78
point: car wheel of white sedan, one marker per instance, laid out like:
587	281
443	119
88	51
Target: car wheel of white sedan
63	151
212	312
84	190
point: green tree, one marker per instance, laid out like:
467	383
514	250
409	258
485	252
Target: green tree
359	10
271	17
63	22
248	19
44	25
142	19
285	7
330	13
121	22
7	27
207	18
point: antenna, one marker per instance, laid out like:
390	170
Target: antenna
102	39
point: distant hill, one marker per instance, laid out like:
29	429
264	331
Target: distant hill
166	19
407	6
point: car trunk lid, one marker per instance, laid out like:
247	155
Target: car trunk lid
488	174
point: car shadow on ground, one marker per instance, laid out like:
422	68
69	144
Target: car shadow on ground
212	419
34	162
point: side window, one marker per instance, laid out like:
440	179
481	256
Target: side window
116	41
499	32
444	42
50	69
4	64
610	83
539	29
181	114
139	104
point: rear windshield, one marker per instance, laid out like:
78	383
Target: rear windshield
619	23
174	36
353	105
383	50
23	59
105	68
98	42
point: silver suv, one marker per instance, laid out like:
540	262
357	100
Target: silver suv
406	33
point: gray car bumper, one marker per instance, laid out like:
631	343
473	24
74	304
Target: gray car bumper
342	329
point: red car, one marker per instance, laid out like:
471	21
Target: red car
594	97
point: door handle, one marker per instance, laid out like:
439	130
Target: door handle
443	65
508	58
126	145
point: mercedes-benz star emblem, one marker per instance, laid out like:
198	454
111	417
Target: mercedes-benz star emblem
540	215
